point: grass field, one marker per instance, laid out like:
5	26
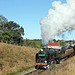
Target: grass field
33	43
15	58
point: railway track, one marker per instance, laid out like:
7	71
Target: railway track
32	72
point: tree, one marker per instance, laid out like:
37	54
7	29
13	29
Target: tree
11	31
14	27
16	31
2	21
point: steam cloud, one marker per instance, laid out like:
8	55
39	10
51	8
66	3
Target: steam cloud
59	20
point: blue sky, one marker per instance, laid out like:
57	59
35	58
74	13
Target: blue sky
27	13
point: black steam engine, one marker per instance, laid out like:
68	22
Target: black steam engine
47	56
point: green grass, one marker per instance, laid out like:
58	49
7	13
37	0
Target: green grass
21	70
33	43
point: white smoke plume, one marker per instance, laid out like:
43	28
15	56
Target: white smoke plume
59	19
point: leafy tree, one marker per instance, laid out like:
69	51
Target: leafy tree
14	27
16	31
11	31
2	21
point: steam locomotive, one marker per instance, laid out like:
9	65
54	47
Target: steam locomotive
47	56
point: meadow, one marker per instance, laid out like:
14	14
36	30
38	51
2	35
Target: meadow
37	43
15	59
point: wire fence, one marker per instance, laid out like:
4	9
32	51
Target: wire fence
11	43
17	44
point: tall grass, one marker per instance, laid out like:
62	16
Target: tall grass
15	58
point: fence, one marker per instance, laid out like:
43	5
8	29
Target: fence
10	43
17	44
